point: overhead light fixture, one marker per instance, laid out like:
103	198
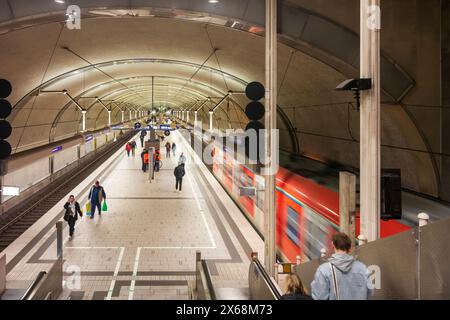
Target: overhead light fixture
213	1
60	1
10	191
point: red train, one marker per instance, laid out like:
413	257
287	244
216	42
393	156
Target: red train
307	213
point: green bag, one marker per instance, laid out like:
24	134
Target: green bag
105	206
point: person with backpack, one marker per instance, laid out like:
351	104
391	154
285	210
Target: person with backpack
168	148
179	173
143	134
96	196
174	149
342	277
73	209
145	160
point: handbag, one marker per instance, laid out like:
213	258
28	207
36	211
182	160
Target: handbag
105	206
335	283
88	208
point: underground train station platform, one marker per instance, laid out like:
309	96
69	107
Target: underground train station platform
145	245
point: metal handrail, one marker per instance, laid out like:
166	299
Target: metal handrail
267	278
33	286
208	280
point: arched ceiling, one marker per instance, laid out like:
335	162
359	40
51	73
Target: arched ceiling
178	54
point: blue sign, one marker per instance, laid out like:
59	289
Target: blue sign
89	138
165	127
57	149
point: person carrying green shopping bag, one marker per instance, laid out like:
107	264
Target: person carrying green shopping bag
96	197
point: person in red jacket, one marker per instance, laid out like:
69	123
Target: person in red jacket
128	148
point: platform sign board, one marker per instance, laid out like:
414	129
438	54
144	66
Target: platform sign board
247	191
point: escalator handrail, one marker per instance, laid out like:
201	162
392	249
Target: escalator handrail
267	278
208	279
33	286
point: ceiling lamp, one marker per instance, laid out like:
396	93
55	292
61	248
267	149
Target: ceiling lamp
213	1
60	1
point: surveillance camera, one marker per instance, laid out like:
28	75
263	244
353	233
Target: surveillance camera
355	85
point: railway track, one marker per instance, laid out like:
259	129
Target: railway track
18	219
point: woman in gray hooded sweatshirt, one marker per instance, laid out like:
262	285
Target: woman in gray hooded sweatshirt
342	277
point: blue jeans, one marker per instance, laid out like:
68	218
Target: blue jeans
98	206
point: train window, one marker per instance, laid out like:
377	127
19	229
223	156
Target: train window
292	229
315	233
259	195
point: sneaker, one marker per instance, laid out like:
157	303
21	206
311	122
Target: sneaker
92	217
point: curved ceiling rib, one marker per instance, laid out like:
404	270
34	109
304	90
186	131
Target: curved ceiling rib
77	72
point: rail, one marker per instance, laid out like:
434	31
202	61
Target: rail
49	285
34	284
261	285
204	288
412	265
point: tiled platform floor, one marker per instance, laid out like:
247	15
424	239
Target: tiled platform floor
144	246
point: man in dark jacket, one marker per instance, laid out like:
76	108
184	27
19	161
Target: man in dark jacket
96	196
179	173
71	215
143	134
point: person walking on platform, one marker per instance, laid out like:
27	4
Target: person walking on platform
179	173
174	149
143	134
157	160
182	159
295	289
128	148
343	277
133	147
168	148
96	196
145	160
71	215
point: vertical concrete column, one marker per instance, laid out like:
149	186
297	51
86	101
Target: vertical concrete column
370	149
123	116
109	118
130	115
347	204
195	118
271	118
59	239
2	273
187	116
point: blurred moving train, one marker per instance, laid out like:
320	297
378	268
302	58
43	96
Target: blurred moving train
307	211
